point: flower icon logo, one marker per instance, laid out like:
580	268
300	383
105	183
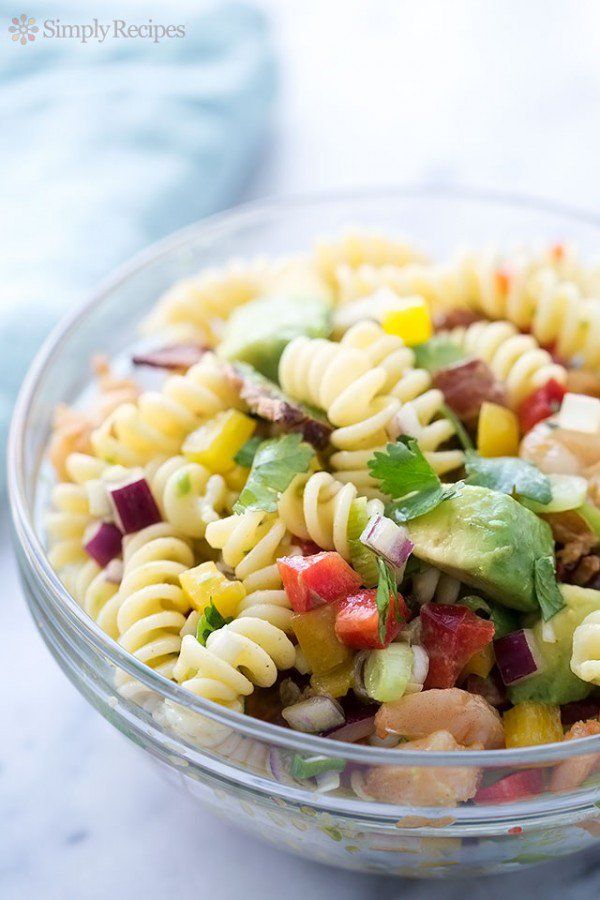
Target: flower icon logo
23	29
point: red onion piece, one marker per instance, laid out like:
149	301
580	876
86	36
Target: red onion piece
173	356
579	711
314	715
517	656
388	540
135	507
353	731
102	542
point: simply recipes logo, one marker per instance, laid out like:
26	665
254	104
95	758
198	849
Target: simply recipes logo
24	30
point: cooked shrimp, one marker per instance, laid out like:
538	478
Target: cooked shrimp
570	773
421	785
559	451
72	428
468	717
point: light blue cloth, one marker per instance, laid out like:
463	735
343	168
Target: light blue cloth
106	147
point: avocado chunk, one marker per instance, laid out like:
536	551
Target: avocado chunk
258	332
556	683
486	540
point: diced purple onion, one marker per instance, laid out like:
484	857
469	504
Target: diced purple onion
388	540
98	500
113	572
173	356
351	732
314	715
135	507
406	421
517	656
102	542
277	766
579	711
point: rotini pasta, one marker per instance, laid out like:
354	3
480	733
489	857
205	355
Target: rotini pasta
517	359
150	605
250	544
188	496
585	660
136	433
317	507
357	248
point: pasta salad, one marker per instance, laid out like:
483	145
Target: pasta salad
363	501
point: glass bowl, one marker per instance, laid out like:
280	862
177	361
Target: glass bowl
238	765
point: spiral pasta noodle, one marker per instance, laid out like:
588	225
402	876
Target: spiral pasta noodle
197	307
157	424
250	544
317	507
442	286
357	248
362	383
245	653
188	495
150	604
585	660
516	359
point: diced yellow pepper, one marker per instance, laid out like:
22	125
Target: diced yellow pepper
412	323
205	583
237	478
481	663
530	723
497	431
316	635
337	682
216	442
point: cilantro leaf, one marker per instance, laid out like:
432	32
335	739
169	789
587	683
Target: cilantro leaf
210	620
406	476
548	594
386	589
508	475
461	432
275	464
245	455
437	353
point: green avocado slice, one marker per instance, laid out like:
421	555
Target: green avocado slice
487	540
556	683
258	332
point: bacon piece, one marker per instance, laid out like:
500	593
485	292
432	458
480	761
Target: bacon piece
466	385
265	399
455	318
172	356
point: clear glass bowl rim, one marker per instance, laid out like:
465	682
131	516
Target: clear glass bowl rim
88	630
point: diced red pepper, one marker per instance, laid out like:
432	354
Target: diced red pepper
357	621
504	277
544	402
310	581
451	634
528	783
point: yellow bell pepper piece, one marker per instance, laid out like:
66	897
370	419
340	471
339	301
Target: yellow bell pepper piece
337	682
237	478
412	323
481	663
497	431
316	635
215	443
205	583
530	723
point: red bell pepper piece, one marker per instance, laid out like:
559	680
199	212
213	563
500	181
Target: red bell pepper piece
540	405
357	621
311	581
451	634
528	783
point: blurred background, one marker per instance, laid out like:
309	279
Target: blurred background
107	146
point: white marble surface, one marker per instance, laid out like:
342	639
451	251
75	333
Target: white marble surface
497	94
